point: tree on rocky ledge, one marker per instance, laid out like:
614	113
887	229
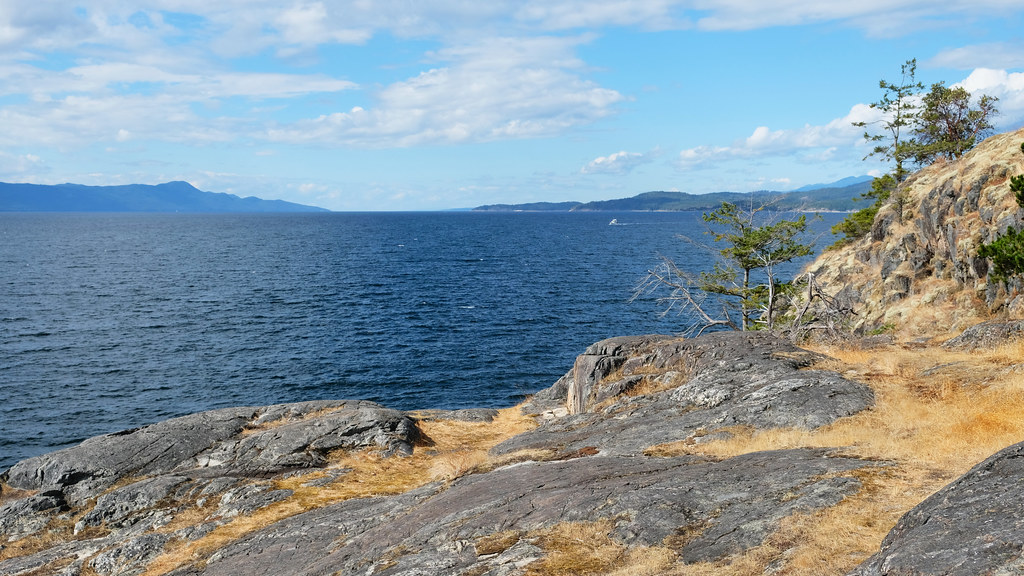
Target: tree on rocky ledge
858	224
727	295
916	127
948	125
899	108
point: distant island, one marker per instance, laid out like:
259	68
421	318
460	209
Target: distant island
168	197
836	197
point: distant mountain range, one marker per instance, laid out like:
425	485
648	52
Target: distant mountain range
169	197
837	196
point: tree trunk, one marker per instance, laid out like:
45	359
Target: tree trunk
744	313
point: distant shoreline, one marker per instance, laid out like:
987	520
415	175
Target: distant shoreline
828	198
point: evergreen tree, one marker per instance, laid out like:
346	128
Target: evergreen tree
1017	185
1006	253
948	125
751	246
900	109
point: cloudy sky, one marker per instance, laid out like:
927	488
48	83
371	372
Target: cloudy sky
438	104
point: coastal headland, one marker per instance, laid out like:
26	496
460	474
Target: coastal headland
894	450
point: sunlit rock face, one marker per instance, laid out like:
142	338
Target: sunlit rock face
922	274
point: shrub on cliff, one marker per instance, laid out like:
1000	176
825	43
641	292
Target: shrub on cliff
858	224
948	125
1006	252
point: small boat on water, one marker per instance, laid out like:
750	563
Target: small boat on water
613	222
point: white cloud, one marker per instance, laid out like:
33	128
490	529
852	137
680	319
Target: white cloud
839	137
813	141
16	166
878	17
497	89
569	14
102	102
246	27
994	55
307	24
160	70
79	120
620	162
112	76
1007	86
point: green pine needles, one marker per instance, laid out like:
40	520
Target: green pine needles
916	127
1006	252
1017	184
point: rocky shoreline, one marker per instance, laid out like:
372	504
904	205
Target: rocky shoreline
594	451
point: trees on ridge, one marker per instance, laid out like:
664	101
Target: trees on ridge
918	128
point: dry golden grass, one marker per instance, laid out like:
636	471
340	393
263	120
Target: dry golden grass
450	448
937	414
828	541
58	531
934	408
587	548
498	542
8	493
650	385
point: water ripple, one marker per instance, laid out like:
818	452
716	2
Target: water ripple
113	321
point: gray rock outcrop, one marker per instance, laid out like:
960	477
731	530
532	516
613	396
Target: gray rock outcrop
987	335
973	526
703	384
128	494
722	507
227	442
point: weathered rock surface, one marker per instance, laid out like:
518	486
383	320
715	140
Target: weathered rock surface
28	515
279	438
973	526
127	487
126	494
124	488
722	506
717	381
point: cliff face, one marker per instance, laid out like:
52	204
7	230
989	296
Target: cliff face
922	275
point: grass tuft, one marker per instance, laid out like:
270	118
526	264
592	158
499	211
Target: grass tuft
588	549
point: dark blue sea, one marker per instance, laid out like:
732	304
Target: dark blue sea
112	321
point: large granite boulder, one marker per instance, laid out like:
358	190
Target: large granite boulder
987	335
84	471
973	526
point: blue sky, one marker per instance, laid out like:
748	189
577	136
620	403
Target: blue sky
432	105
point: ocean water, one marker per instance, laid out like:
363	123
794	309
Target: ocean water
112	321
